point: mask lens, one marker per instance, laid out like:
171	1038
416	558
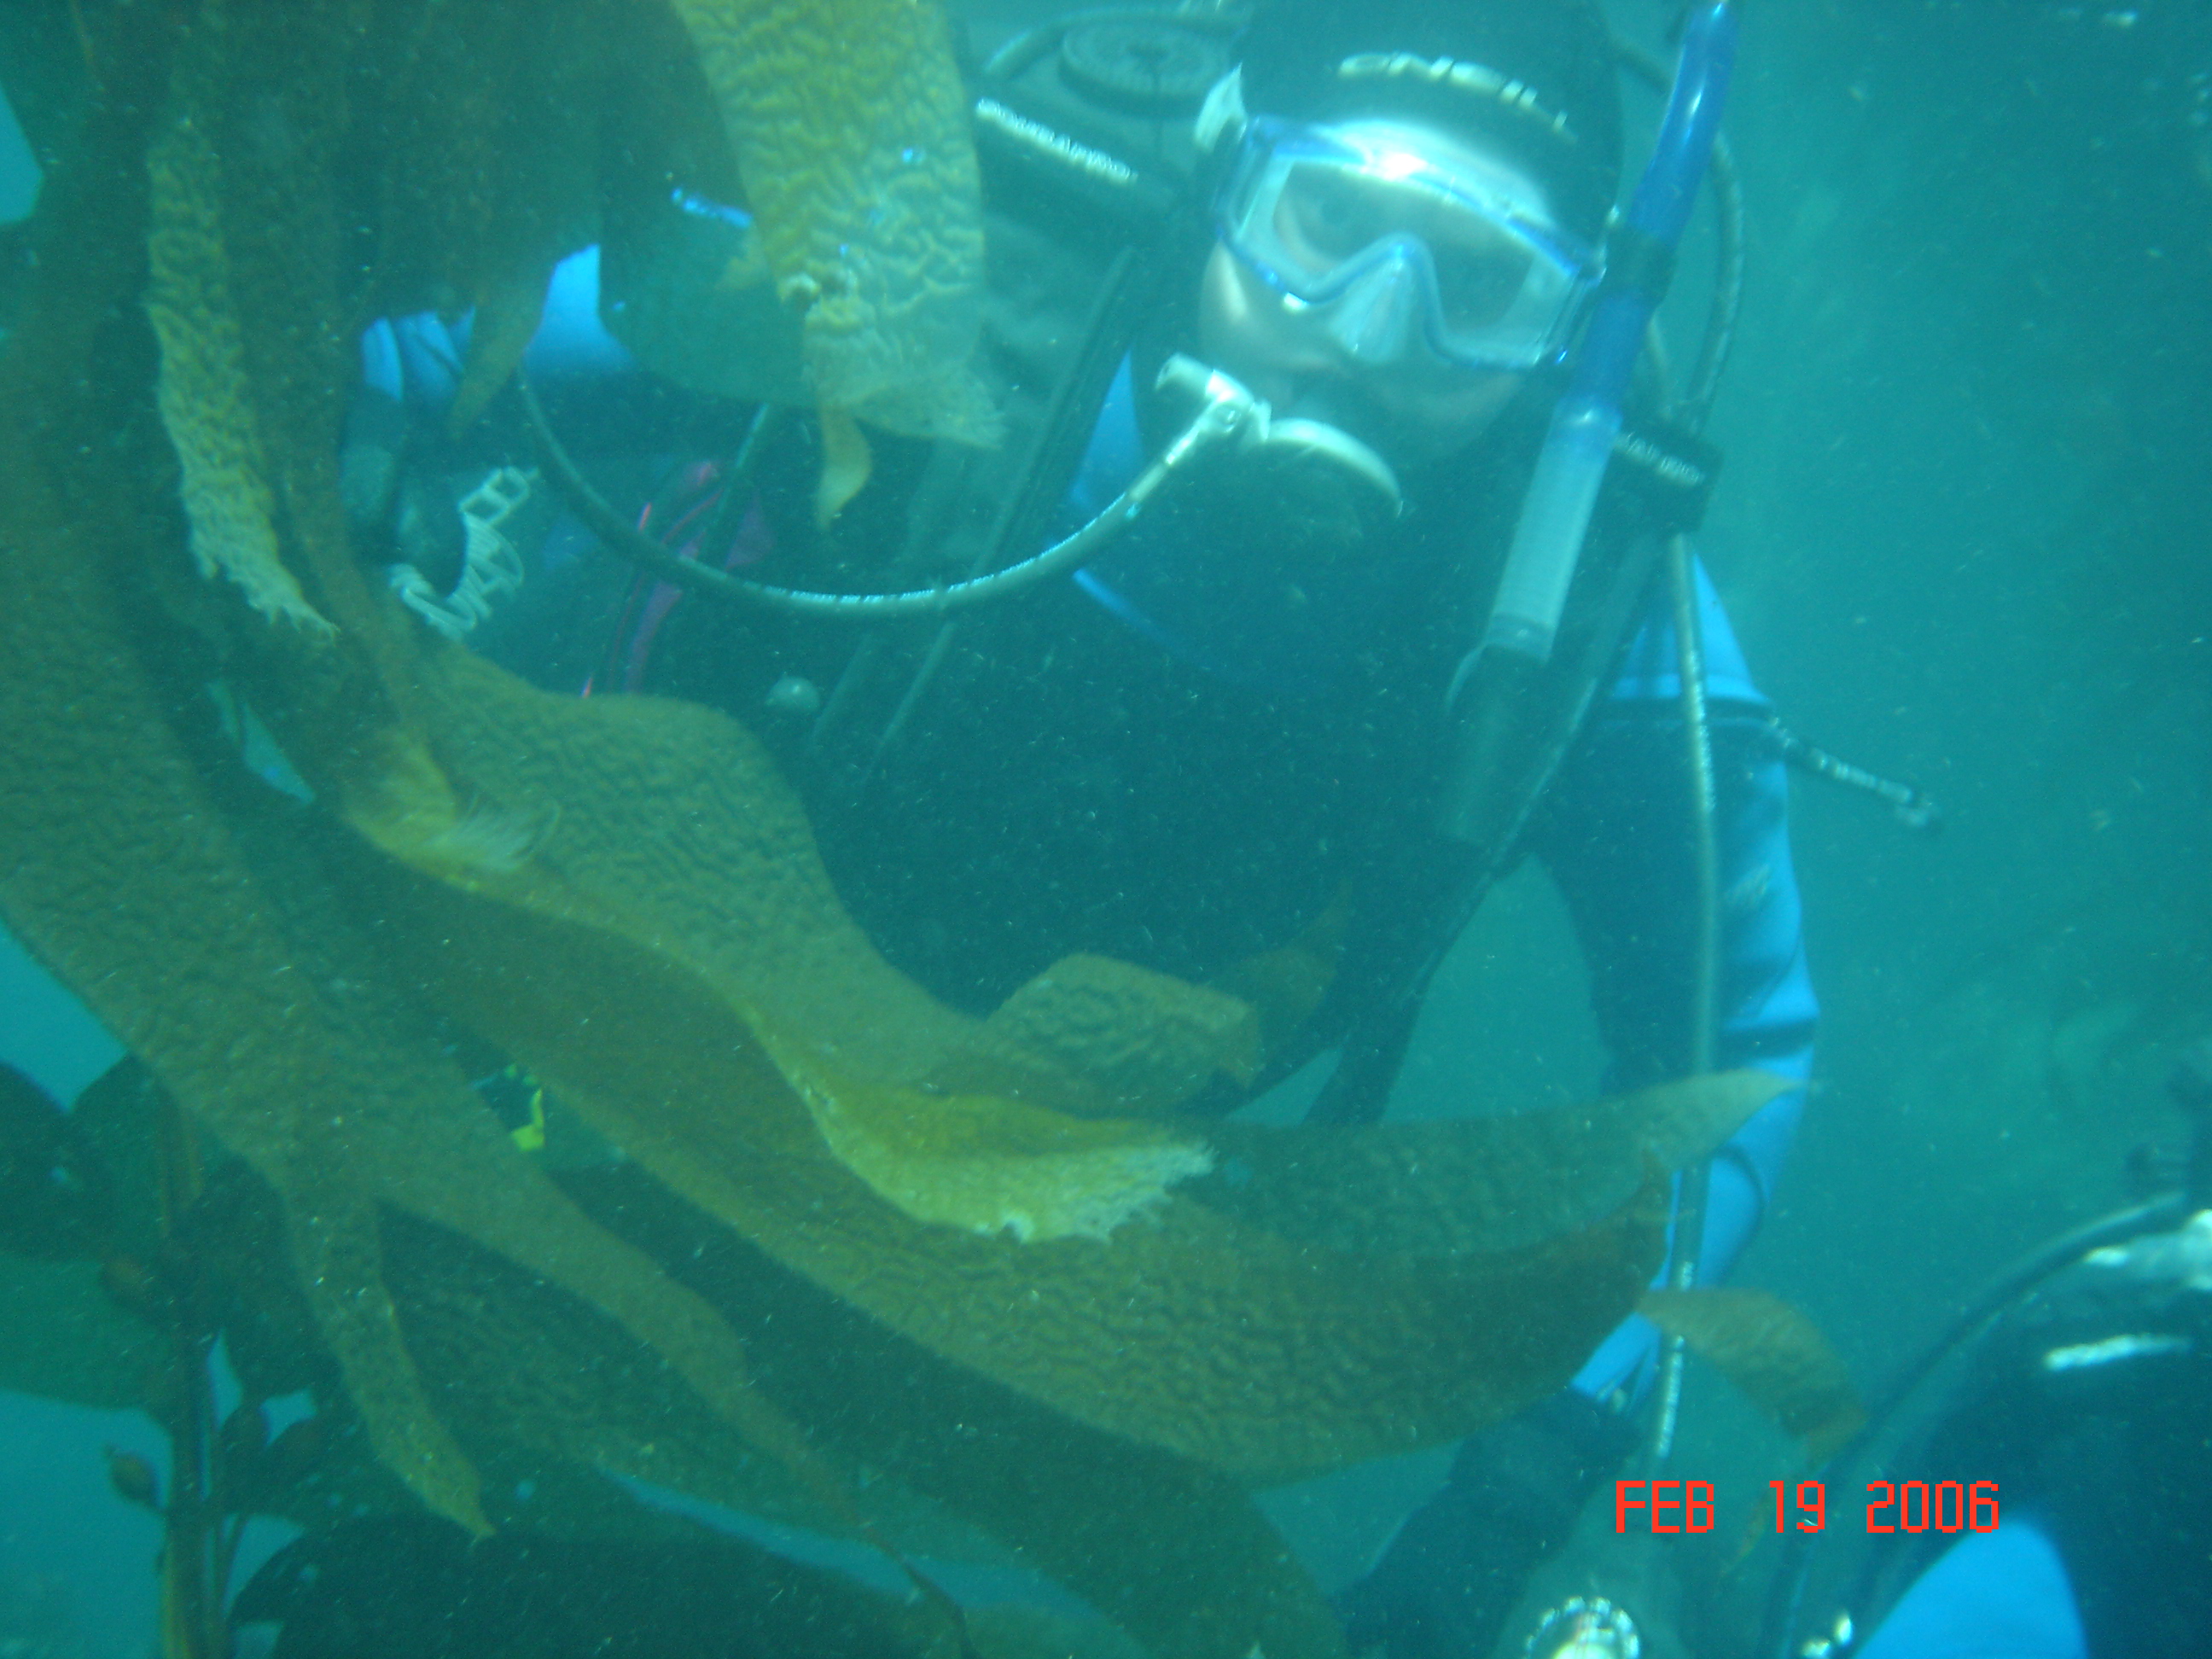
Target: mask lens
1312	211
1325	216
1479	278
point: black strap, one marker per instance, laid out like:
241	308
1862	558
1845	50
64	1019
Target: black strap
1515	726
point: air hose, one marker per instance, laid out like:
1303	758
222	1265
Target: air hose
1226	412
1690	1198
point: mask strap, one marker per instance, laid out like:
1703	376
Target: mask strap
1221	116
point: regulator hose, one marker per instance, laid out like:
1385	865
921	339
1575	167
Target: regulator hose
1225	410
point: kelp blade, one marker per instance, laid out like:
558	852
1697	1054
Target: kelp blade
625	970
1771	1350
1490	1183
850	130
230	970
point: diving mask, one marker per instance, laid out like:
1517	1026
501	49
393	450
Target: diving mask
1375	237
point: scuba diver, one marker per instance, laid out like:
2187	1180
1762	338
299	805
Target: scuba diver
2074	1444
1364	239
2088	1411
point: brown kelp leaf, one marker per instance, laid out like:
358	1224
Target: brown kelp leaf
335	1177
663	823
206	397
1285	986
516	1358
525	1373
529	1377
850	130
57	1199
121	878
1145	1042
1230	1345
667	826
285	1044
1487	1183
258	100
439	1156
118	872
1772	1352
980	1163
983	1162
61	1335
674	1588
847	463
291	72
507	315
118	1113
228	966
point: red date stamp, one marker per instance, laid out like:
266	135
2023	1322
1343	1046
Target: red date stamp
1663	1506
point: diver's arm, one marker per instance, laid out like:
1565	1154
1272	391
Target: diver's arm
1768	1012
418	359
1617	840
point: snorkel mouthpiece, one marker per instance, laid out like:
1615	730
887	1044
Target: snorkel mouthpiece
1547	542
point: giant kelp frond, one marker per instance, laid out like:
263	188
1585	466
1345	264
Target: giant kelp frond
987	1163
408	808
1494	1183
198	921
229	970
673	943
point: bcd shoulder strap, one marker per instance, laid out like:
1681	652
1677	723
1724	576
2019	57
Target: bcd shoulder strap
1083	129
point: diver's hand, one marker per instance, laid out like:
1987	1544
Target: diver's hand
1444	1587
397	511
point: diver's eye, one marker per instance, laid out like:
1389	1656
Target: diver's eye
1326	216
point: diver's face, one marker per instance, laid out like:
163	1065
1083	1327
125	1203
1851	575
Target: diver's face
1364	362
1408	410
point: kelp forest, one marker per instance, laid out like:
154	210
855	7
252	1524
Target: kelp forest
784	1233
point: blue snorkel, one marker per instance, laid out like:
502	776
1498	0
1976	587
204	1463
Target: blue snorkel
1555	516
